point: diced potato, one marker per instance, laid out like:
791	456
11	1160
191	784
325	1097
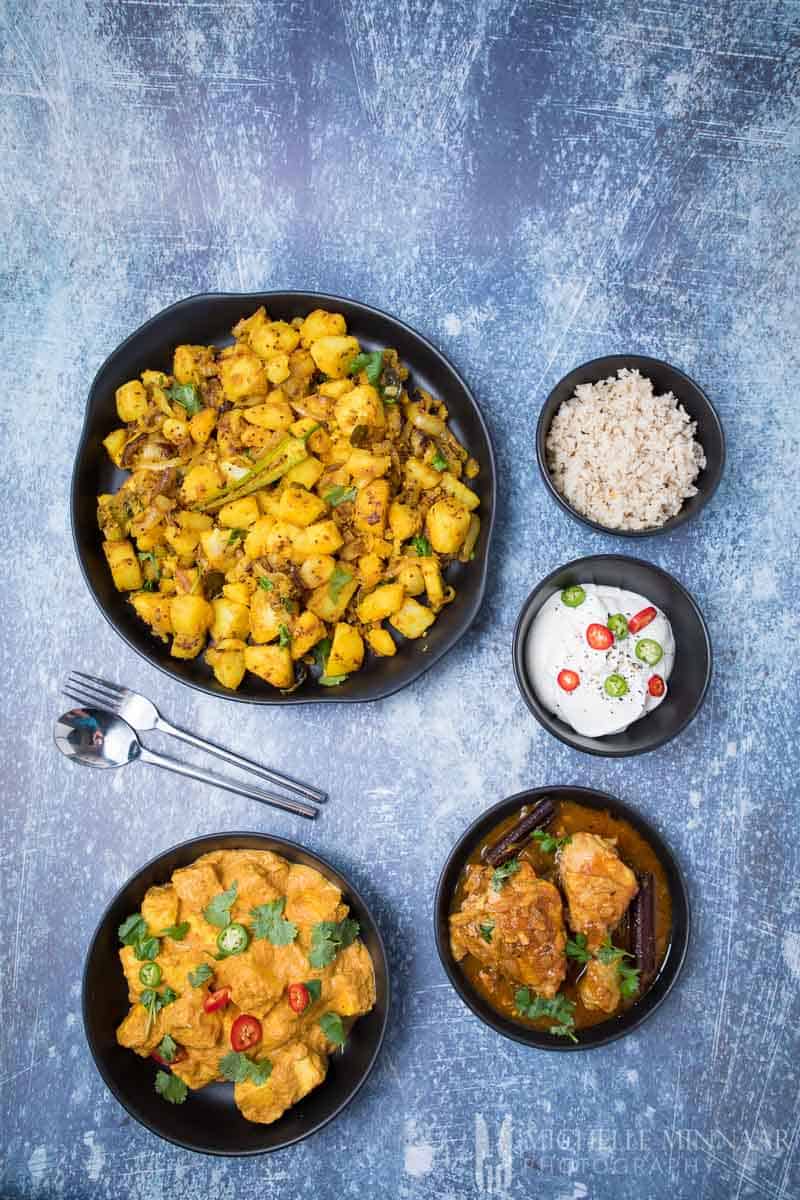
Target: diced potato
227	665
265	620
257	540
321	538
131	401
306	473
153	608
202	425
280	540
382	642
364	466
446	524
347	651
302	367
201	482
329	604
275	417
108	518
316	570
194	520
239	514
242	375
299	506
412	619
434	584
231	620
275	337
218	548
148	540
271	663
307	630
190	363
175	431
319	324
115	444
333	355
370	568
332	389
371	507
381	603
239	592
268	502
419	474
404	521
190	615
125	569
184	646
360	406
277	368
182	541
459	491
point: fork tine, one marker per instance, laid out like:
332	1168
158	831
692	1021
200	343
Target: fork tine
96	681
87	695
83	701
101	688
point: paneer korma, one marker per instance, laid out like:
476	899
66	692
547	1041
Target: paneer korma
247	968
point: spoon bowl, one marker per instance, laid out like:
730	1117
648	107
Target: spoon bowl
96	738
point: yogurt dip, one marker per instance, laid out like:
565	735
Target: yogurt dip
599	657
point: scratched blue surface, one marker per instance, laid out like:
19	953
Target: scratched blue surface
530	185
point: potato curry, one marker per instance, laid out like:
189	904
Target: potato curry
290	505
562	917
247	968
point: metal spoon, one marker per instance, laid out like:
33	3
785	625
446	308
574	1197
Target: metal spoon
97	738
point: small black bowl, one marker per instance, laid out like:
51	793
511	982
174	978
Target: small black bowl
208	1121
208	319
691	674
616	1026
665	378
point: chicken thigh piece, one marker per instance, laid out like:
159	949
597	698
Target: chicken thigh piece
599	887
517	930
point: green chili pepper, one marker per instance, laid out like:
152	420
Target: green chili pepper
618	625
573	596
615	686
150	975
233	939
649	651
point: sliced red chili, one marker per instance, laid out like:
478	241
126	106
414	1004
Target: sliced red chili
221	998
299	997
568	680
178	1056
245	1032
656	685
641	619
599	637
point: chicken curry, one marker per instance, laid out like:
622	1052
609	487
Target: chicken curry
247	968
291	505
561	917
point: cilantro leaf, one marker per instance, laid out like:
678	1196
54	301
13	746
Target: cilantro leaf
236	1067
218	911
187	395
560	1010
132	929
331	1025
153	1003
314	987
577	949
439	462
340	495
502	874
422	546
167	1048
609	953
270	923
235	535
487	930
337	581
200	975
176	932
171	1088
328	938
147	949
547	843
372	363
628	980
265	583
284	637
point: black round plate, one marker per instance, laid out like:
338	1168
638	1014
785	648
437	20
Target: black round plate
605	1031
208	1120
691	674
208	319
665	378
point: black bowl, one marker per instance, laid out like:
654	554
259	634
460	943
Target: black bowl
208	319
665	378
691	673
615	1027
209	1121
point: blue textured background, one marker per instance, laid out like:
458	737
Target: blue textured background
530	185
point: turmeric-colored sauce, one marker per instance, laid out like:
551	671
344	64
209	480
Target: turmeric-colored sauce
634	850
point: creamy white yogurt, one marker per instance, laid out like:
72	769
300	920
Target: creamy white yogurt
557	642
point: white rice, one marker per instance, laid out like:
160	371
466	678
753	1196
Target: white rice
622	456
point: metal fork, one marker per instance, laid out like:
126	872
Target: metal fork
143	715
